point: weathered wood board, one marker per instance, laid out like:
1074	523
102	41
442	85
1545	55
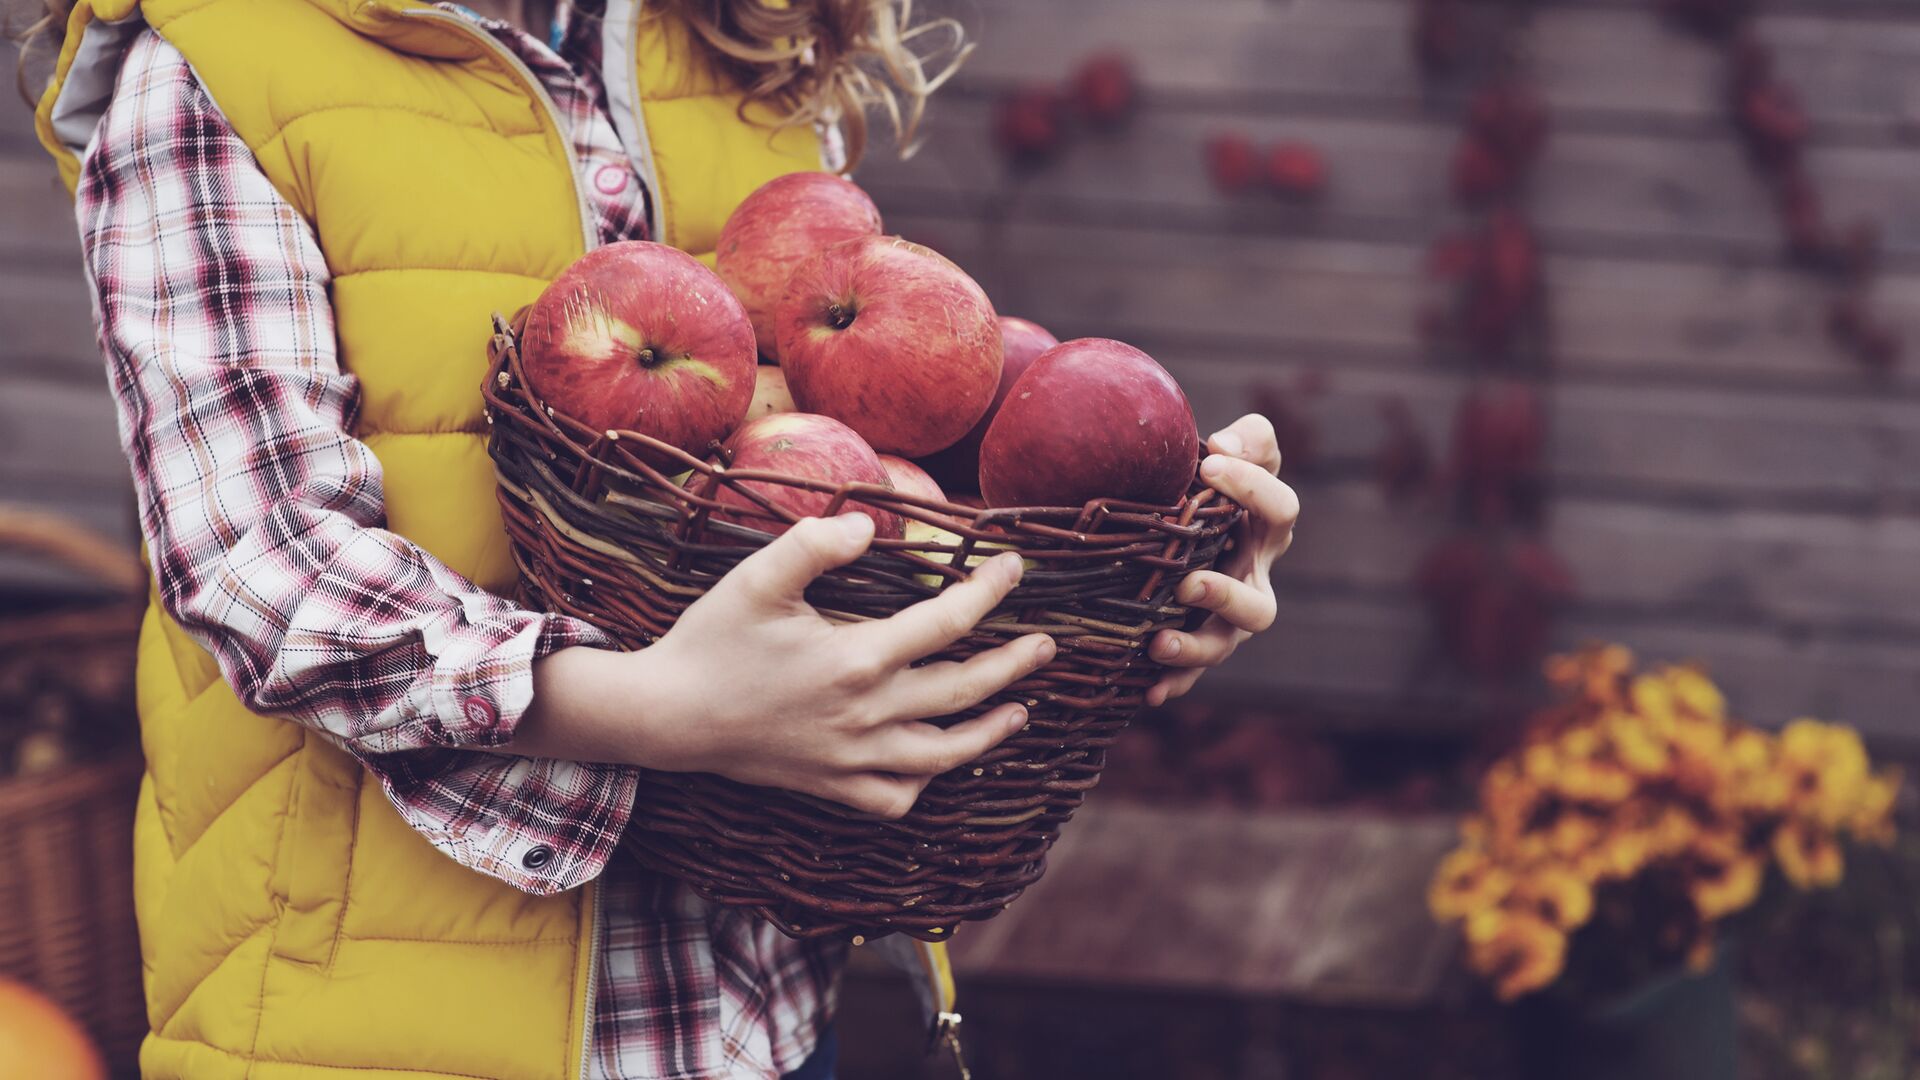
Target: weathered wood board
1322	908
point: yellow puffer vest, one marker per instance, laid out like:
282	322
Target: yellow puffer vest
291	924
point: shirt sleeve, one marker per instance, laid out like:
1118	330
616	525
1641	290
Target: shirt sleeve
264	517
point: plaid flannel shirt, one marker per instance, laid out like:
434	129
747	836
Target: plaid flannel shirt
264	519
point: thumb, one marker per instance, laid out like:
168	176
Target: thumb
783	569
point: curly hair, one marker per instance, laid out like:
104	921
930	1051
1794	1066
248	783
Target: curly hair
813	61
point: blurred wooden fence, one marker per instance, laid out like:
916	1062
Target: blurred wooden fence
1728	487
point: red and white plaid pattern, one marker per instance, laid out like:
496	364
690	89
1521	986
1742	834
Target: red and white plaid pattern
264	519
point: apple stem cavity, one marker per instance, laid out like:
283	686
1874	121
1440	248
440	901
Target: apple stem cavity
650	357
839	316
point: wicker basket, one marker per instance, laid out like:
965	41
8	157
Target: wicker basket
66	830
601	531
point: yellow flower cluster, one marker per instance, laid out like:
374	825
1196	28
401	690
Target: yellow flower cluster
1631	774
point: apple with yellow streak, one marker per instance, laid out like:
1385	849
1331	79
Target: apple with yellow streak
637	336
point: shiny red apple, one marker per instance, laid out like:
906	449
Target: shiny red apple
636	336
780	225
770	393
958	466
893	340
804	445
911	479
1092	418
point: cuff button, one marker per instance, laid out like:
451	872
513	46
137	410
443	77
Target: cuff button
537	857
480	712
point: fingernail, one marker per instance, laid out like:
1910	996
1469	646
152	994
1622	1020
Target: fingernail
1228	442
1018	720
1214	467
1195	591
855	523
1046	650
1012	566
1172	647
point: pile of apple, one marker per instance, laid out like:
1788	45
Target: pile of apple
826	350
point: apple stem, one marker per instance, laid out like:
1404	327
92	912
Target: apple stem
648	357
839	317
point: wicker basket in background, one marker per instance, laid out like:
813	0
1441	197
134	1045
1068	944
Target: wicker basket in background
69	773
602	531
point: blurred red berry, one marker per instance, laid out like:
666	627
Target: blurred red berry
1499	434
1479	174
1802	220
1029	125
1297	170
1231	163
1773	123
1509	117
1105	91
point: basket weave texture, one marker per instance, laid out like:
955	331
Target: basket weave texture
66	818
602	531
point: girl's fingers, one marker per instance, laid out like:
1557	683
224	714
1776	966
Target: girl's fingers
1265	497
954	686
1250	438
1246	606
937	622
912	748
1213	643
883	795
1173	686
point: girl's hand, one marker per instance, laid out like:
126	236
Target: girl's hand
755	685
1244	466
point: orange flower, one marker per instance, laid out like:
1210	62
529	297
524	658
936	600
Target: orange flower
1808	854
1725	877
1598	782
1555	894
1826	769
1696	693
1466	883
1872	819
1519	953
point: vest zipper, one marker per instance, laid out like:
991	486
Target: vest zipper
596	936
589	232
590	237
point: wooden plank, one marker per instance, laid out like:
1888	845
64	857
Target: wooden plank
1307	906
1598	66
48	315
1789	570
106	509
1344	298
58	432
37	225
1687	196
1729	447
1374	656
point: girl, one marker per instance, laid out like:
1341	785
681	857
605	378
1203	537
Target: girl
376	830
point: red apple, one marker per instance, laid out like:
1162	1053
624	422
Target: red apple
958	466
891	339
1090	419
911	479
776	228
770	393
636	336
804	445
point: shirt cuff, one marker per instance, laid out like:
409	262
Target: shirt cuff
483	684
541	825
